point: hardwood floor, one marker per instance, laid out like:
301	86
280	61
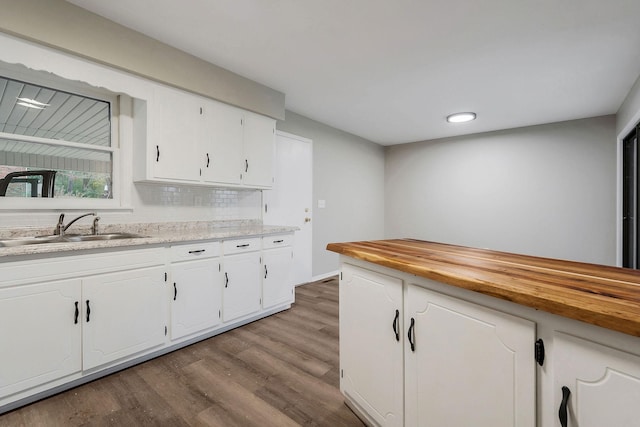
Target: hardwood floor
279	371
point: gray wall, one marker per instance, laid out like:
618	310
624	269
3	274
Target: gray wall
64	26
545	190
348	172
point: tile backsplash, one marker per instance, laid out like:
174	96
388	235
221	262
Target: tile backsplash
162	203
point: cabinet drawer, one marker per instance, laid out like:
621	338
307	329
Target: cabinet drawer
195	251
240	245
277	241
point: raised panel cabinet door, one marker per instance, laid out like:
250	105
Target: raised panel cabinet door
174	146
277	287
196	296
371	344
242	285
467	365
39	337
259	150
602	384
222	145
123	314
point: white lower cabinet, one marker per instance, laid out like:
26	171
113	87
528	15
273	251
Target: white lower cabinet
594	385
242	290
40	334
410	356
371	344
196	296
277	287
467	365
123	314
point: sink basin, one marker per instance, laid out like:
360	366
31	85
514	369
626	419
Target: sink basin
68	238
98	237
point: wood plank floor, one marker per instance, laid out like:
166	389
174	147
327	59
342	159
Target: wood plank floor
279	371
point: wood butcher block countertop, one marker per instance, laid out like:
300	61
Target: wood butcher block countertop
601	295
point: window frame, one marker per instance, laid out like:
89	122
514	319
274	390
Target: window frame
49	80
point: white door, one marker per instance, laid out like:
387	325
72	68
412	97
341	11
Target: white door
467	365
600	385
123	313
290	200
196	296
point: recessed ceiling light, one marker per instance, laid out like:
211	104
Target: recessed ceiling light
461	117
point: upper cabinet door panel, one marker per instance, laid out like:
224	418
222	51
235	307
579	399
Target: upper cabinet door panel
221	138
259	148
173	133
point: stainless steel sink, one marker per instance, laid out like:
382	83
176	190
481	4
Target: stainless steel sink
97	237
67	238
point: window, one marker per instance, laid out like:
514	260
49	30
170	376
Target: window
55	143
630	206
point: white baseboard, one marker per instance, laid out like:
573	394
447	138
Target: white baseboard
325	276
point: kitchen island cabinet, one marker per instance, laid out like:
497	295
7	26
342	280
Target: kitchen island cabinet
506	334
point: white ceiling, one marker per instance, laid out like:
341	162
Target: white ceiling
390	71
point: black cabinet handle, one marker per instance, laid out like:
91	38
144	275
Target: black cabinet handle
199	251
77	313
246	245
207	159
88	311
396	321
277	241
175	291
246	165
411	334
226	280
157	153
265	271
562	413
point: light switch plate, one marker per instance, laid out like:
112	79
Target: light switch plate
322	204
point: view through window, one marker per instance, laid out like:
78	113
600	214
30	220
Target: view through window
54	143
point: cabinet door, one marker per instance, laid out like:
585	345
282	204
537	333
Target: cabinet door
222	158
277	287
467	365
604	383
196	296
371	344
174	146
241	295
39	335
123	314
259	148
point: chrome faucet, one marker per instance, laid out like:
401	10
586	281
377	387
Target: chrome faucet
61	228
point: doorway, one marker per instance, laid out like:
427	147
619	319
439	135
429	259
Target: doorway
289	202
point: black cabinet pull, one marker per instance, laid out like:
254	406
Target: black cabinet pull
562	413
175	291
246	165
412	334
88	311
207	159
265	271
226	280
277	241
199	251
77	313
246	245
157	153
396	321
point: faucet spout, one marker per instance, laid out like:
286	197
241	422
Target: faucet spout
61	228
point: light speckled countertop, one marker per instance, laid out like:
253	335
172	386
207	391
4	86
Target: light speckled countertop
154	234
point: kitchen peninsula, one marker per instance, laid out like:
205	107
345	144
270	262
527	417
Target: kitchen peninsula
466	336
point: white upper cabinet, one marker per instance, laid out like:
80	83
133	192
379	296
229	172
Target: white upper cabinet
173	134
259	147
222	142
182	137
